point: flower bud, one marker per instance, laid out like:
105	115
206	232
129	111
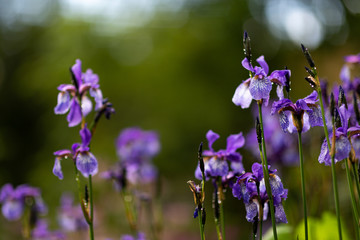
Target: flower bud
342	98
332	105
258	130
247	47
308	56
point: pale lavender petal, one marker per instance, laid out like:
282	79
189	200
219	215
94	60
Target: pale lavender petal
344	116
148	173
247	65
74	117
306	123
63	103
57	169
315	117
237	167
265	211
90	77
234	142
312	98
276	185
280	92
280	214
87	164
260	88
242	96
86	105
76	69
66	88
63	152
85	135
345	75
211	137
263	64
12	210
217	167
352	58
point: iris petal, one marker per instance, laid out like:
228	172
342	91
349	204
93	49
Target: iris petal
86	163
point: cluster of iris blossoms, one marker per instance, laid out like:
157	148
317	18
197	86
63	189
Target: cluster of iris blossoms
84	105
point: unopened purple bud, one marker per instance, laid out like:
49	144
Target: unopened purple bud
332	104
342	98
288	82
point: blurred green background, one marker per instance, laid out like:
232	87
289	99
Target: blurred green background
167	65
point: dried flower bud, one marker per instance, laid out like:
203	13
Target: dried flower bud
332	105
308	56
342	98
247	47
313	83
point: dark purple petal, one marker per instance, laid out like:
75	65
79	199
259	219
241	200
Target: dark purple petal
76	69
312	98
63	103
86	105
315	117
6	192
217	167
276	185
260	88
196	213
57	169
279	76
242	96
251	211
211	137
263	64
257	170
247	65
87	164
301	105
85	135
277	105
62	153
234	142
12	209
74	117
280	214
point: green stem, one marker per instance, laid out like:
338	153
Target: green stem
202	235
353	201
266	173
261	209
302	175
91	224
333	172
356	176
129	210
222	219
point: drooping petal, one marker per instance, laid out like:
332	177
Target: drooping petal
98	97
257	170
302	105
74	117
242	96
211	137
277	105
76	69
237	167
280	92
217	167
251	211
87	164
342	147
276	185
62	153
86	105
90	77
63	103
12	210
260	88
85	135
247	65
148	173
263	64
284	121
324	156
6	192
315	117
57	169
312	98
280	214
345	75
234	142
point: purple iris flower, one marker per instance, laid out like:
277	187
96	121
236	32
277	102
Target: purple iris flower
259	86
216	162
85	161
13	200
41	232
70	216
280	148
136	149
342	143
246	188
70	94
303	114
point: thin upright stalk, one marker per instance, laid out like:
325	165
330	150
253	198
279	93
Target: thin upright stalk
302	175
356	176
261	209
129	210
222	219
202	235
353	201
91	224
266	172
333	172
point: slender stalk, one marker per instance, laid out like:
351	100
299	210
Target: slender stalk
91	224
217	212
261	209
333	172
302	175
222	219
356	176
202	235
353	201
266	172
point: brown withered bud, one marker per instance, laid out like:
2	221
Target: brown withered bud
197	193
